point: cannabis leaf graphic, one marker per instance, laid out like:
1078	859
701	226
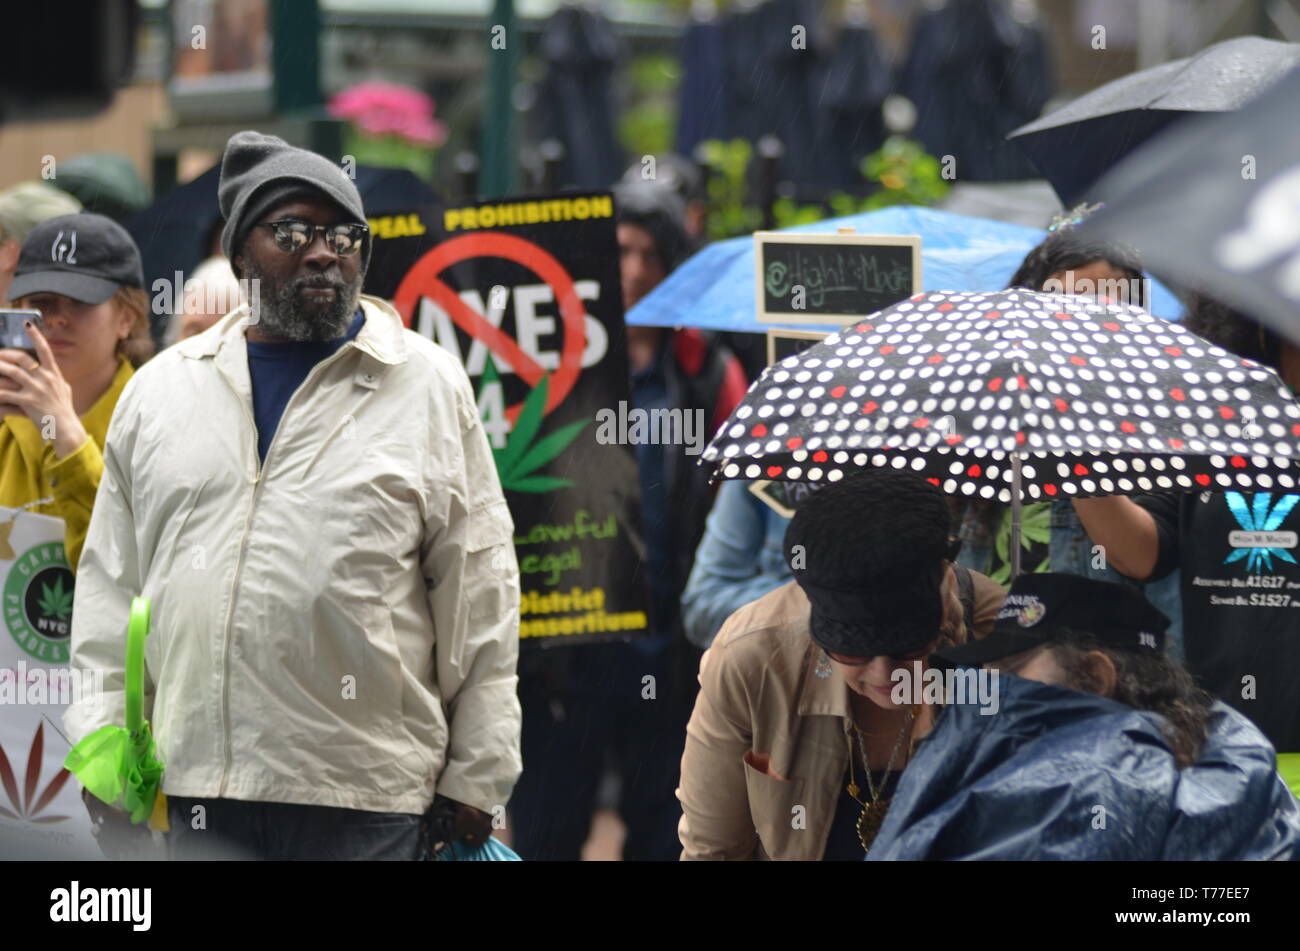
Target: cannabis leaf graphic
55	602
27	806
524	454
1035	527
1259	518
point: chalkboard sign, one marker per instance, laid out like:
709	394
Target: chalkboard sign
786	343
783	497
832	278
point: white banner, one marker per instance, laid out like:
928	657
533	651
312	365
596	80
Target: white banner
41	813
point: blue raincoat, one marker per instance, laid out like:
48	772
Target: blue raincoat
1059	774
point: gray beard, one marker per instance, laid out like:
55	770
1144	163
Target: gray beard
274	308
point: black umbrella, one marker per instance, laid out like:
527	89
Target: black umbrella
1075	145
1217	206
1017	396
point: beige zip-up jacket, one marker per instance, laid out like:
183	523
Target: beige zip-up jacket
761	693
337	626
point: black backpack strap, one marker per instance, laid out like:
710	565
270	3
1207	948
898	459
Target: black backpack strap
966	593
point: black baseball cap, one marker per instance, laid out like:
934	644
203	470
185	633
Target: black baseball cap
84	256
1039	607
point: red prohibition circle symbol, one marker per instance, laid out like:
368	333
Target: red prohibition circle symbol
422	280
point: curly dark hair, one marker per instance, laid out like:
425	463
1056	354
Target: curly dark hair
1144	681
1065	250
1231	330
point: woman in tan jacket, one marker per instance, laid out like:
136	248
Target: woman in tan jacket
797	740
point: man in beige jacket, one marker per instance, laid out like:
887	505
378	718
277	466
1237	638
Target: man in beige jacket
306	495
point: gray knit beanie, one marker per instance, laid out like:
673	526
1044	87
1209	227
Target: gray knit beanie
260	171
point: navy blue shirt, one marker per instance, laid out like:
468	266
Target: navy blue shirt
278	369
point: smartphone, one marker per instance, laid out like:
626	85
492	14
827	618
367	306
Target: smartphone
13	335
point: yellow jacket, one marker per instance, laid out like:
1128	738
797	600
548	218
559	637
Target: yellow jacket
29	470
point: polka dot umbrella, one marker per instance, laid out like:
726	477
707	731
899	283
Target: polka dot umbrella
1018	396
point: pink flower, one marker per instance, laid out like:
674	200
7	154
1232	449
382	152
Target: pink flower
380	108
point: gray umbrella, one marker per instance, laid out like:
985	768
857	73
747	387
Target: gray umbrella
1216	206
1078	143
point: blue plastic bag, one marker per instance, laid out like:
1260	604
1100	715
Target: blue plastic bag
493	850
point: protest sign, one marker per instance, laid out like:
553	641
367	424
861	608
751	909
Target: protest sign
829	278
526	294
41	813
788	343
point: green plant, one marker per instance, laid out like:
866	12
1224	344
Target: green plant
728	213
901	168
388	151
788	214
646	128
645	125
907	174
389	124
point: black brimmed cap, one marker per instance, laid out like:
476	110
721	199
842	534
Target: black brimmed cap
1039	608
84	256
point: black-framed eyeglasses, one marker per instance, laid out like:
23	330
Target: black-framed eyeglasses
293	235
896	659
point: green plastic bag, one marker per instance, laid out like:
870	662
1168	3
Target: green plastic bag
117	764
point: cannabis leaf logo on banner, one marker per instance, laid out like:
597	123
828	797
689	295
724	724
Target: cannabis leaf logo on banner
524	454
55	602
1258	518
27	806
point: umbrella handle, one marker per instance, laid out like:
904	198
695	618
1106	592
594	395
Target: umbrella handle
137	631
1014	554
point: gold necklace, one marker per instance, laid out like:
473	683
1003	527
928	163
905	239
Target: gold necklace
873	813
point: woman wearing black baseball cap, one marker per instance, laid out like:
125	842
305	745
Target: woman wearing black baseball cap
83	273
1098	746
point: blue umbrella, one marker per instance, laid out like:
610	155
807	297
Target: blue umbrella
714	289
